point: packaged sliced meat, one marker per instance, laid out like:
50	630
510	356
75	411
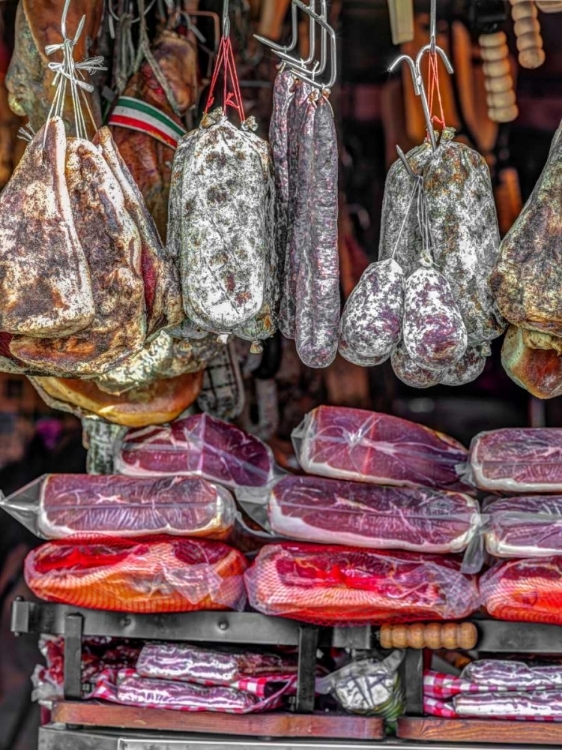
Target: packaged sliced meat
528	526
533	360
112	244
410	372
500	674
199	445
318	290
434	332
371	322
163	574
517	459
226	223
81	505
526	277
36	218
344	586
366	446
526	590
186	663
537	704
329	511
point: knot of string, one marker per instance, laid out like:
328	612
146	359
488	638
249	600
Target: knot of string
232	96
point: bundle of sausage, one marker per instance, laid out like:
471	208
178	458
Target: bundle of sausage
427	303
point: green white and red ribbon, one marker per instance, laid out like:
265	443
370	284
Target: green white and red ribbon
138	115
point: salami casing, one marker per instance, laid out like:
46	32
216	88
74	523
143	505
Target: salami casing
371	323
468	368
410	372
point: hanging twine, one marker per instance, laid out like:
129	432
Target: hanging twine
232	96
433	79
69	72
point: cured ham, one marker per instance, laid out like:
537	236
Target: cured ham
525	526
346	586
366	446
166	574
517	459
329	511
199	445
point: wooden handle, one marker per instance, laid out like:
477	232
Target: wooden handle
528	32
498	81
550	6
434	635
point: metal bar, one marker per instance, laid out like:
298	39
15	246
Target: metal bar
512	637
308	644
411	673
73	656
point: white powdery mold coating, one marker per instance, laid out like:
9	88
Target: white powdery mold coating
371	323
410	372
434	332
467	369
225	205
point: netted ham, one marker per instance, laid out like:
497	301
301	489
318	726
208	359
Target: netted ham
199	445
165	574
517	459
525	590
45	287
87	506
314	509
366	446
525	527
345	585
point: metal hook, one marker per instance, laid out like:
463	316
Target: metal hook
301	65
420	91
402	157
225	20
433	25
294	35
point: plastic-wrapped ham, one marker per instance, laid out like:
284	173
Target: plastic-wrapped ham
366	446
165	574
517	459
196	446
545	704
525	590
329	511
57	506
346	586
525	526
500	674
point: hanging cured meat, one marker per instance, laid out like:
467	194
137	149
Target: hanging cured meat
36	217
525	526
524	590
533	360
366	446
344	585
517	460
162	575
314	509
199	445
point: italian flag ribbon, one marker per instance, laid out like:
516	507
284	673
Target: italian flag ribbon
138	115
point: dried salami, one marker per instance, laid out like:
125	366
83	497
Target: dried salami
434	333
468	368
371	323
410	372
318	291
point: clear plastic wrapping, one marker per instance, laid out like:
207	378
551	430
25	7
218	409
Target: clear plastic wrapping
57	506
524	590
197	446
524	526
364	446
163	574
314	509
345	586
517	459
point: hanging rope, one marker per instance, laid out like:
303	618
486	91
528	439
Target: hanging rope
433	81
232	96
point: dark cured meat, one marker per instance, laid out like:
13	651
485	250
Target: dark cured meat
434	333
199	445
366	446
318	291
344	585
410	372
314	509
536	368
468	368
525	526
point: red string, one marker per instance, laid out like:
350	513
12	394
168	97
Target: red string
433	78
232	96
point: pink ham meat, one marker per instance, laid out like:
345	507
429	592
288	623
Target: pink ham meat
197	446
525	527
517	460
346	586
93	506
366	446
329	511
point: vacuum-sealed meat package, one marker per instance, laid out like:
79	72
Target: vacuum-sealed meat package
517	459
314	509
88	506
164	574
332	585
197	446
365	446
524	526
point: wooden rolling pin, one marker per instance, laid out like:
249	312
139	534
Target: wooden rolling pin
550	6
500	94
433	635
528	32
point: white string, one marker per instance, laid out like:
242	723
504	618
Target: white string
413	194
